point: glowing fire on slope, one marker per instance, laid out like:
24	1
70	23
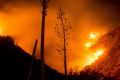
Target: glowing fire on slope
95	56
93	37
88	44
99	53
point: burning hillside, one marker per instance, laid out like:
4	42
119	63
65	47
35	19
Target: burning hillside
95	53
108	63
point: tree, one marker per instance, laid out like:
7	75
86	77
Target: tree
63	29
44	7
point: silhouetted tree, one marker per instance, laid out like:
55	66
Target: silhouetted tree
44	7
63	29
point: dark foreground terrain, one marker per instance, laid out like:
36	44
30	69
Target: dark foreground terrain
15	63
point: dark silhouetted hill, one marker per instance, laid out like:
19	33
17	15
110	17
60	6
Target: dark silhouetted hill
15	63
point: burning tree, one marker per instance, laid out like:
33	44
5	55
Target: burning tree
63	29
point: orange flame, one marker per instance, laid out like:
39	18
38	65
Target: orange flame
88	44
99	53
93	36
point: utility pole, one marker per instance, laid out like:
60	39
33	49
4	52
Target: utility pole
44	7
33	57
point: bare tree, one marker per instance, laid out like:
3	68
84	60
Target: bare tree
44	7
63	29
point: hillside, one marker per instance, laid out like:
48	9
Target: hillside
109	62
15	63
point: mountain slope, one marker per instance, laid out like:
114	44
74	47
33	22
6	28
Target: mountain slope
109	62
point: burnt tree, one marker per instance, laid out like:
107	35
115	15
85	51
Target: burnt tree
63	29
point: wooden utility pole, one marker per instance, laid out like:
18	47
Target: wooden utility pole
33	57
44	6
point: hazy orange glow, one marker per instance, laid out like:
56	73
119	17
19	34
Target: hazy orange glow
1	30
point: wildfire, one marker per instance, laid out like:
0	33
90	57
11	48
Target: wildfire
93	36
95	56
88	44
98	53
92	39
